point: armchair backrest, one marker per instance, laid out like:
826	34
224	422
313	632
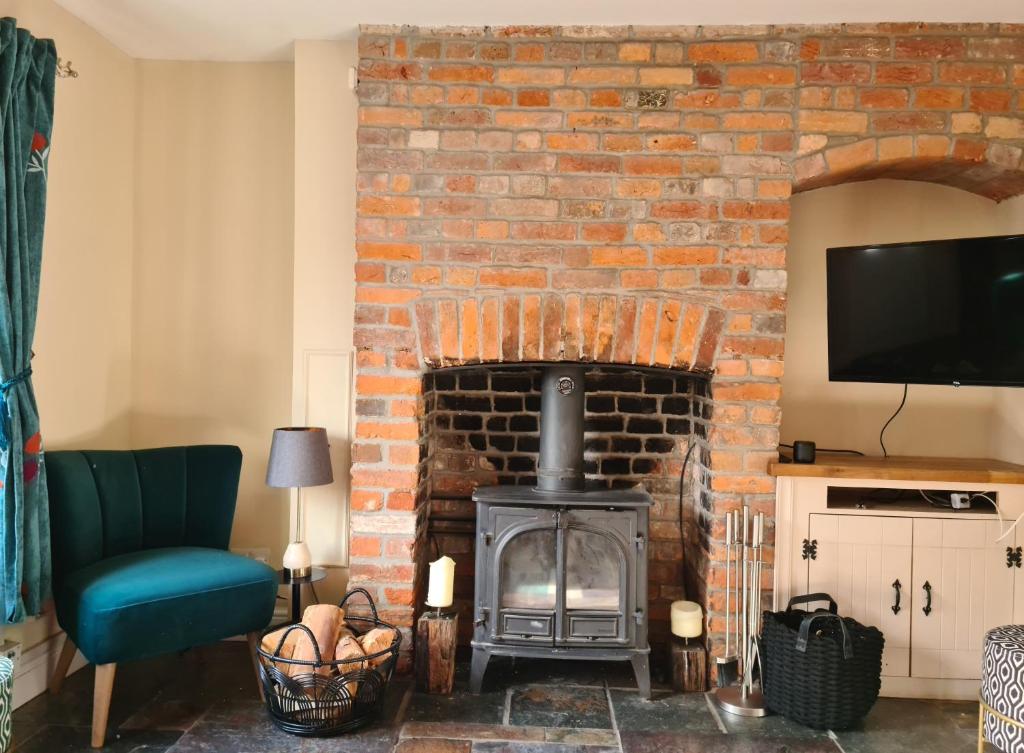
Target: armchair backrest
109	502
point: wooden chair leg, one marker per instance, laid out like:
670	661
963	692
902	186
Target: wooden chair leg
254	640
67	655
101	702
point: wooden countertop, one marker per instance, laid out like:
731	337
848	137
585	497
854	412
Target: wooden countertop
965	470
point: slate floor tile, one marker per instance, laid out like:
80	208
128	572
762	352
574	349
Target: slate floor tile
666	711
461	707
433	745
700	742
55	738
570	672
899	725
468	731
166	713
560	706
531	747
771	727
244	727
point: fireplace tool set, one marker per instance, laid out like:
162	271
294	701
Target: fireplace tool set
744	554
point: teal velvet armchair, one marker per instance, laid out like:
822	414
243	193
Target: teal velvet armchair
140	560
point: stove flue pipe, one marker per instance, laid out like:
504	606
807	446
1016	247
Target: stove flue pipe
560	467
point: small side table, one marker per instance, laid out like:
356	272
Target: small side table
317	575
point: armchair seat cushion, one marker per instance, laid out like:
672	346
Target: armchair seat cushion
155	601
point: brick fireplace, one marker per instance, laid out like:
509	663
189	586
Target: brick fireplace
619	197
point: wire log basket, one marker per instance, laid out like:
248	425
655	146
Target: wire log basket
328	697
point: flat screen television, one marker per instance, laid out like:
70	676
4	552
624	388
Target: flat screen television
932	312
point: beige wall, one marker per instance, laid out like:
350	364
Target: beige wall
325	152
937	420
212	309
1008	409
83	337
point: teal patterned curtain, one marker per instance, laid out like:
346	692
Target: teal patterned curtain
27	74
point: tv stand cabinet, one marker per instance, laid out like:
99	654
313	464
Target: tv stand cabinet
933	580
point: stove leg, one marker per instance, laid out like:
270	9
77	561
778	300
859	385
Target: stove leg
643	675
476	672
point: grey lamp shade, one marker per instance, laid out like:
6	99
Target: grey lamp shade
299	456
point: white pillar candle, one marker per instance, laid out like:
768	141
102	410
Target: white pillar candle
442	583
687	619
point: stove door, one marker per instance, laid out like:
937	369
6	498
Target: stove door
524	570
599	565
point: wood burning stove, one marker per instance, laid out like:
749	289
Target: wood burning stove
561	569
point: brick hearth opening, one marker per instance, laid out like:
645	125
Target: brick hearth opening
620	196
482	427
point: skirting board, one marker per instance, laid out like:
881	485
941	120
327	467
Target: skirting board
37	665
922	687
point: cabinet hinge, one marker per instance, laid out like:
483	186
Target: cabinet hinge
640	542
486	537
638	615
810	550
1013	556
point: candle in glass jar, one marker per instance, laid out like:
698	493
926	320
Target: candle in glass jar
687	619
441	583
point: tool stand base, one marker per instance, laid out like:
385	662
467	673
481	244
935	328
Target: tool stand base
731	701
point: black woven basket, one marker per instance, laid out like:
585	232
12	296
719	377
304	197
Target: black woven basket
820	669
344	695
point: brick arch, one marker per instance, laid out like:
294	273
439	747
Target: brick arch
652	330
988	168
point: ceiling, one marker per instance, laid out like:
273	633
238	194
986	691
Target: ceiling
264	29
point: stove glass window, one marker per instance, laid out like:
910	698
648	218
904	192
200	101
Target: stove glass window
528	571
592	571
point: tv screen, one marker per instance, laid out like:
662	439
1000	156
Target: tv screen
933	312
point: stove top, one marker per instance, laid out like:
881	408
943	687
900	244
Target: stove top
592	497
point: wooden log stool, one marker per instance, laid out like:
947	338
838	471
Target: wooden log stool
436	635
689	665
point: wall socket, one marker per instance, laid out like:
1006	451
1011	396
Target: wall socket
960	500
258	553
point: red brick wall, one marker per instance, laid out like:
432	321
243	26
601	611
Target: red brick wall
621	196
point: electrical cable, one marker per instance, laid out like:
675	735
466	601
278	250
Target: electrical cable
826	449
881	434
682	483
933	502
1002	521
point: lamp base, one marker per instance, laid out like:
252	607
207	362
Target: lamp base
297	560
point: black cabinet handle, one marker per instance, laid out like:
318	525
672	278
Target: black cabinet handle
928	598
897	585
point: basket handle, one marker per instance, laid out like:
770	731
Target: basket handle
808	598
280	644
369	599
805	629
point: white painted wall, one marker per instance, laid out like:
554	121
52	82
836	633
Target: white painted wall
324	284
212	310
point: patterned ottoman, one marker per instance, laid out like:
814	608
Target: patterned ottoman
6	692
1002	690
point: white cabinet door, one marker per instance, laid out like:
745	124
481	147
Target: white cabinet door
971	591
859	560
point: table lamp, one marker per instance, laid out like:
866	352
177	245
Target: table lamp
299	456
